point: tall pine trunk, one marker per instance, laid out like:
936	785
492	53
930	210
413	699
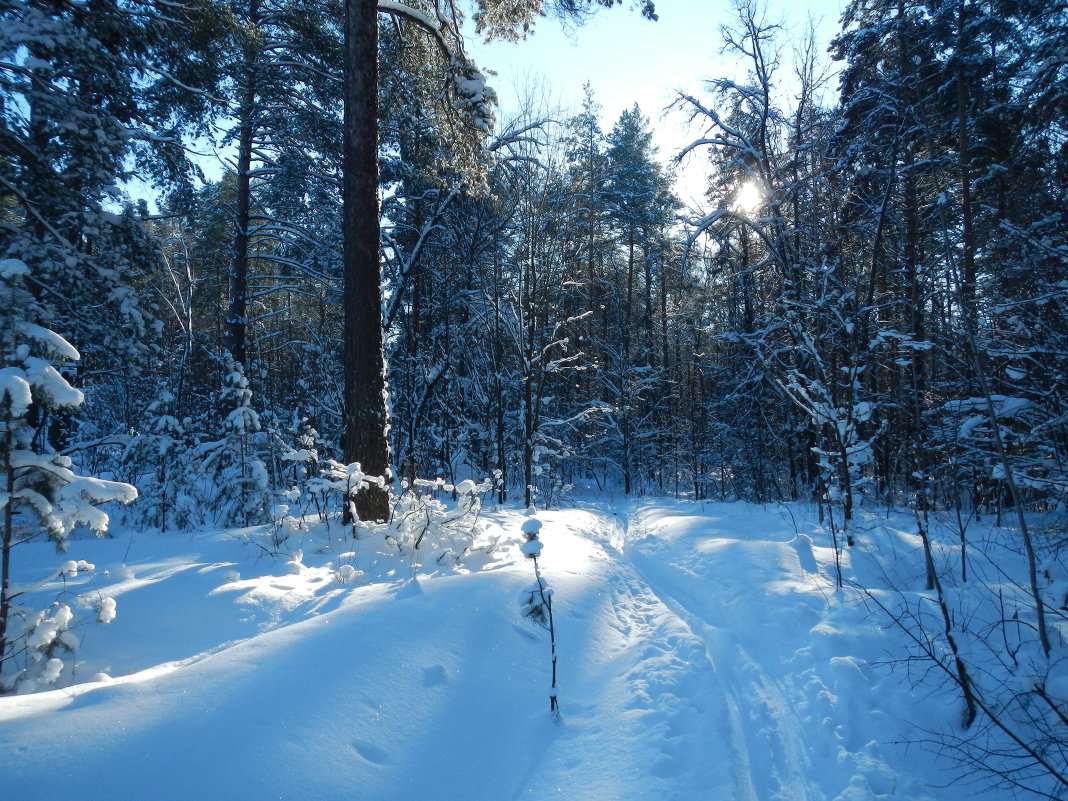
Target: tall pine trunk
237	302
365	416
237	311
5	547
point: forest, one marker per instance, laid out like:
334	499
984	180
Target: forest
870	309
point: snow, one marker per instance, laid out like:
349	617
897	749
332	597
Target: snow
53	344
347	574
43	634
47	380
63	617
15	391
106	610
13	268
53	667
704	653
531	549
531	526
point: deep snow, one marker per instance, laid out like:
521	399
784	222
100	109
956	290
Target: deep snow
704	654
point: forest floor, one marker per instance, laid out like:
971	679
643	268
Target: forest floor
705	653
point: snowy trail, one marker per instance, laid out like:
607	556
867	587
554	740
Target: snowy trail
767	735
810	717
741	768
642	690
703	657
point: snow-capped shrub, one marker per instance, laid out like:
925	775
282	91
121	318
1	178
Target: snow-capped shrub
422	522
235	482
347	574
159	458
36	656
295	565
299	462
333	489
536	601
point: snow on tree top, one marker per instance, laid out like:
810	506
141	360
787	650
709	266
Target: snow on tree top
531	549
15	389
47	380
53	344
531	526
12	268
100	490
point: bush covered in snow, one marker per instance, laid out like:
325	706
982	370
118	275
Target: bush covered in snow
536	601
44	649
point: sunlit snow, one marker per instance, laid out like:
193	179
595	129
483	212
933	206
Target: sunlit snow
704	653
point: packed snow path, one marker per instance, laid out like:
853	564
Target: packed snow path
718	578
796	710
703	655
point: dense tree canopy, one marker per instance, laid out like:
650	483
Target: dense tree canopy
898	257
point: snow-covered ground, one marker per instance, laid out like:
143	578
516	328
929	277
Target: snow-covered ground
704	654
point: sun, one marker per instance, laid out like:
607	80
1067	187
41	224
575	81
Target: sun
749	198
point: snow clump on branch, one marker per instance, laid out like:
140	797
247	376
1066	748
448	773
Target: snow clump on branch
474	98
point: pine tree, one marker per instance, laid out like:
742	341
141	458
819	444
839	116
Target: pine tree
41	494
639	207
365	414
236	481
286	110
588	176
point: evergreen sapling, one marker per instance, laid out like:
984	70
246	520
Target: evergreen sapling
41	494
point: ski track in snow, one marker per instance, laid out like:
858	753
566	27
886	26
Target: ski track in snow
725	712
642	690
769	621
766	734
703	657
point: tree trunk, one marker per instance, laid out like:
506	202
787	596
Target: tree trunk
237	311
628	308
5	549
968	276
365	417
528	438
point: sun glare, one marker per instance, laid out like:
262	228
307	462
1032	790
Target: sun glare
748	199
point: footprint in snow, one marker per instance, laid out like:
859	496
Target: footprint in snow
434	675
371	753
530	635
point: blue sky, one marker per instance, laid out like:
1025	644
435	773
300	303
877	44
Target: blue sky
628	59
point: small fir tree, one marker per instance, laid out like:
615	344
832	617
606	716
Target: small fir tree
238	486
41	494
